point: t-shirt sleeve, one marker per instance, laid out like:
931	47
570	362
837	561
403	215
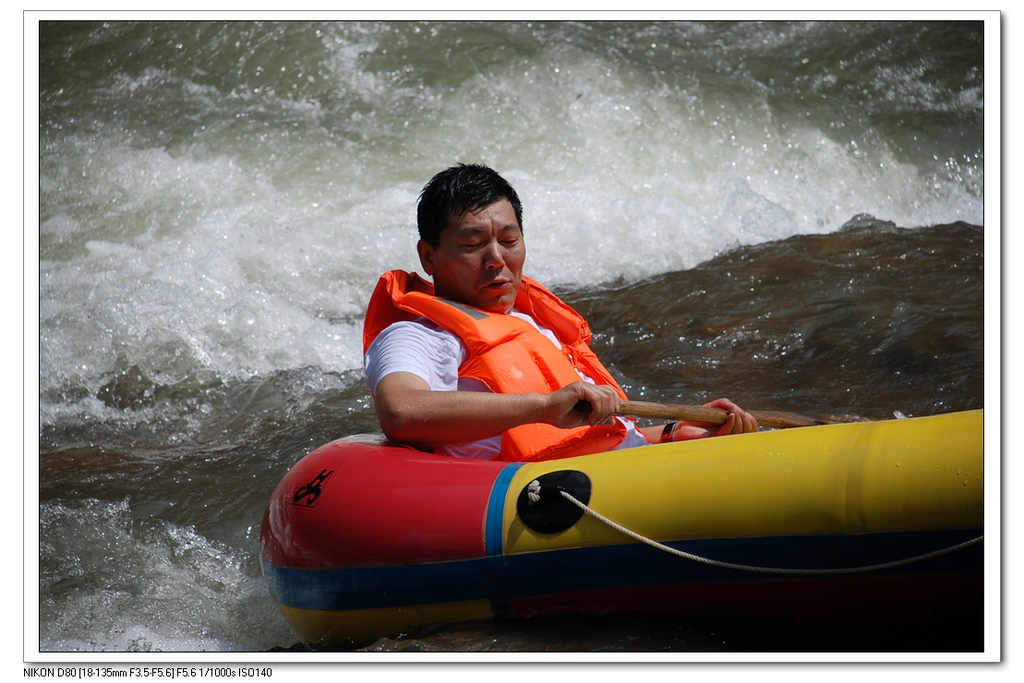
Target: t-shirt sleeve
432	354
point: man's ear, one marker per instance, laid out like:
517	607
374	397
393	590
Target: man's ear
426	253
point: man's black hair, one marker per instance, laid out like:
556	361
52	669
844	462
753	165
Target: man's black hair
457	190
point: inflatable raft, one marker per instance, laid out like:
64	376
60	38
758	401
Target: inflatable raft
363	538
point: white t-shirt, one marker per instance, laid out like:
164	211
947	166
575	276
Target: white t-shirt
434	355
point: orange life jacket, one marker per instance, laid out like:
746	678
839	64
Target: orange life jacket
508	355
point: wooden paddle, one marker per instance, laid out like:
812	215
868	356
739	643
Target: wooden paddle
672	411
775	419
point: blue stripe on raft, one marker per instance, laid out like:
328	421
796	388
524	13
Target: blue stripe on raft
494	529
500	578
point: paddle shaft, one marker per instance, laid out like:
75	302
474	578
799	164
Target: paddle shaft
670	411
673	411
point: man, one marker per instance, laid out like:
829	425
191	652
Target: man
487	363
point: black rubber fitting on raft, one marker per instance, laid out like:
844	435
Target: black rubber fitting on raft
544	510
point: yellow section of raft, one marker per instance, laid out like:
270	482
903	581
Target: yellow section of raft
896	475
319	626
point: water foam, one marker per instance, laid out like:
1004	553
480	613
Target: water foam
140	584
246	239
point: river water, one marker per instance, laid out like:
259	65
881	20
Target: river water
790	214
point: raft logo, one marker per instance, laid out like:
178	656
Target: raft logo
311	491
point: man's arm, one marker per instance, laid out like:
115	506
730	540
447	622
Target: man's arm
409	411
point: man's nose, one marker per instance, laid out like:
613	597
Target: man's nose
493	256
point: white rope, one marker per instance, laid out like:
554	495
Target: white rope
533	492
766	570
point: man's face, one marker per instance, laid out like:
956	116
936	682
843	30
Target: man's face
479	260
